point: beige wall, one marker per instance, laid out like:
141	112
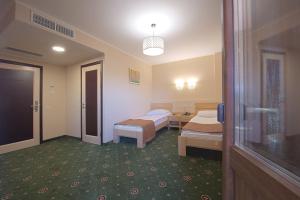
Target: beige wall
54	101
54	98
73	101
208	71
121	99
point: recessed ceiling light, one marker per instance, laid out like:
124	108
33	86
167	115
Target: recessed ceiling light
58	49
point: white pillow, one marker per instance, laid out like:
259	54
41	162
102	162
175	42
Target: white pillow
158	112
207	113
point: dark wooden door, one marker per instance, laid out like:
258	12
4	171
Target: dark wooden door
91	103
20	117
16	113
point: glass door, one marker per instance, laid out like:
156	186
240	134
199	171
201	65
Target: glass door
267	71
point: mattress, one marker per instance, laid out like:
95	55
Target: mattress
204	120
203	135
157	119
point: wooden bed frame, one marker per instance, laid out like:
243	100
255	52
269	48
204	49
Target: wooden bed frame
184	141
139	135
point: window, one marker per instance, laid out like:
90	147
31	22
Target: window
267	71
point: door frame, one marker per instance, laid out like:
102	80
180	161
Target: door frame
228	93
41	88
100	62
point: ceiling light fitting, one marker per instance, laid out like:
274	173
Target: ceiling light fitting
58	49
191	84
153	45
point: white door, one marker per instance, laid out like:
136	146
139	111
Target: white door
91	104
19	107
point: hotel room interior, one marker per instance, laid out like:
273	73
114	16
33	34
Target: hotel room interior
153	99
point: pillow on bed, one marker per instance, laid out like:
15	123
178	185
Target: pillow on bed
207	113
158	112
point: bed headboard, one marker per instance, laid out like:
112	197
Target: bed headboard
206	106
167	106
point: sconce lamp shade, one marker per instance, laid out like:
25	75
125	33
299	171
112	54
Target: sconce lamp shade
191	84
179	84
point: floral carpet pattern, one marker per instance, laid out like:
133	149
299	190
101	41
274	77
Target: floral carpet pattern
67	168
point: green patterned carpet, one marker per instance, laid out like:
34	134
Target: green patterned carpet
67	168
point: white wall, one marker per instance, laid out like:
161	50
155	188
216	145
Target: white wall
54	101
54	98
73	101
120	99
208	71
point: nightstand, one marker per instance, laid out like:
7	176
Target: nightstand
186	118
178	120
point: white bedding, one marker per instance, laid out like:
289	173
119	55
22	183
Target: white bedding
157	119
203	135
204	120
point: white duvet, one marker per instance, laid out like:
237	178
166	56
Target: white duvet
157	119
203	135
204	120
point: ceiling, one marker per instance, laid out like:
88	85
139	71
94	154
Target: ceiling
28	38
275	10
284	40
191	28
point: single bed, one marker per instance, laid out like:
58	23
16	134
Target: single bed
199	139
160	120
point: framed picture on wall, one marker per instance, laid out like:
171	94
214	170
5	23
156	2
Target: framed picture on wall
134	76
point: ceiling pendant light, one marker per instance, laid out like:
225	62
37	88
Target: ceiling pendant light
153	45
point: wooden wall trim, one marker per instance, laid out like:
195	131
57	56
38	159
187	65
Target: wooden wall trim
264	182
228	88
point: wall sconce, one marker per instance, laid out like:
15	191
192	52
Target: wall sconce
191	84
179	84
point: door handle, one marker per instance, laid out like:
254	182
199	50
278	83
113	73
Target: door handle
221	113
261	110
83	106
36	106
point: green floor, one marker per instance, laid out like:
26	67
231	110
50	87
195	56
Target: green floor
69	169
